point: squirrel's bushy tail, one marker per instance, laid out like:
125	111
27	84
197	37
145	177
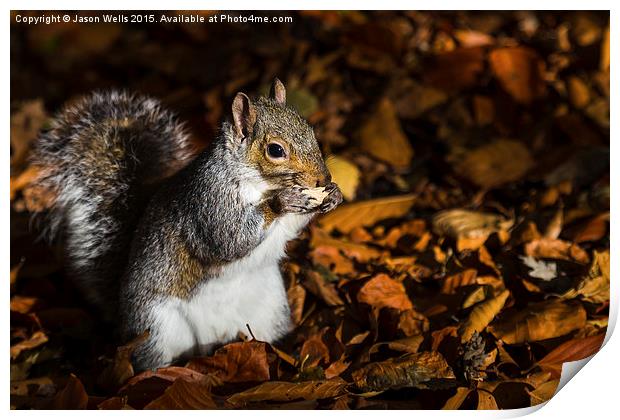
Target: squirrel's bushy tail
100	158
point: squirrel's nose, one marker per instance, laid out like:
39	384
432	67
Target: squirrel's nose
323	180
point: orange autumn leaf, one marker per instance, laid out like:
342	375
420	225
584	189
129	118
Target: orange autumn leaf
520	72
383	292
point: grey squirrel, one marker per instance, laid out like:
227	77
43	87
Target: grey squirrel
186	249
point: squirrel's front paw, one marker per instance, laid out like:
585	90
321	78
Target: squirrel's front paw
294	200
333	198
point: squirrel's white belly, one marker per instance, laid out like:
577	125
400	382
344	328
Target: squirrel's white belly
248	292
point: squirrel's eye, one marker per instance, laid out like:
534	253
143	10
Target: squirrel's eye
275	150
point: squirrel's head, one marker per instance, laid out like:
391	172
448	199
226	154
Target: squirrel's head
277	141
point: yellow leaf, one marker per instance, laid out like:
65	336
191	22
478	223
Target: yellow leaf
288	391
540	321
345	174
482	315
383	138
366	213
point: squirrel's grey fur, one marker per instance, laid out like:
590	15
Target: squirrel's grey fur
205	242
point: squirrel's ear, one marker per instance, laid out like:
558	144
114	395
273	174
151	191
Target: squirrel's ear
278	91
244	115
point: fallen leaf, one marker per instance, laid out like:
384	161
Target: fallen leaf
37	339
556	249
486	401
463	278
569	351
314	351
455	70
554	228
594	287
24	304
520	72
540	269
25	126
366	213
415	370
604	60
540	321
455	402
495	164
235	362
413	99
383	292
478	295
481	315
321	287
296	295
461	223
544	392
121	369
578	92
382	137
71	397
184	395
288	391
344	173
594	230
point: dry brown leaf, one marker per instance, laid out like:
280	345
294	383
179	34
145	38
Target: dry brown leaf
114	403
594	230
37	339
594	287
288	391
468	38
413	99
405	345
578	92
314	351
414	370
296	295
456	69
362	253
344	173
455	402
569	351
484	110
168	374
544	392
71	397
184	395
482	315
540	321
335	369
478	295
321	287
453	282
486	401
412	323
467	224
382	137
366	213
25	126
383	292
520	72
24	304
494	164
556	249
554	228
121	369
235	362
604	61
